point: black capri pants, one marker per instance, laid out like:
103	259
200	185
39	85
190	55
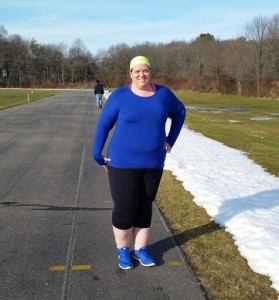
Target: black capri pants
133	192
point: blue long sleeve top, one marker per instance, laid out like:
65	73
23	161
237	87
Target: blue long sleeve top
138	123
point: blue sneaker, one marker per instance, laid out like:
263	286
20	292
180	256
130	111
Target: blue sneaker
143	257
124	258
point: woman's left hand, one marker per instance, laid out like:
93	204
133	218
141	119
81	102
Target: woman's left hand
167	147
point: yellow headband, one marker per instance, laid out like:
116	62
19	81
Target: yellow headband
139	60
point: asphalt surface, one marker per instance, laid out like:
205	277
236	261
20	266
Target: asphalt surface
56	238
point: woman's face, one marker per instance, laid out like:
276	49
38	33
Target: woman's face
140	75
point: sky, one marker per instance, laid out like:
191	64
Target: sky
102	24
236	193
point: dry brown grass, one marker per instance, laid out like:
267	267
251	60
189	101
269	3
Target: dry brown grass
211	251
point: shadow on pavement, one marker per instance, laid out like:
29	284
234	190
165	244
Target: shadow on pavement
162	246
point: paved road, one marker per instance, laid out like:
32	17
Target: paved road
55	213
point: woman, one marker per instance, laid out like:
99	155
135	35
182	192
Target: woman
136	155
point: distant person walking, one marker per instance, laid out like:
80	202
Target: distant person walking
136	155
99	91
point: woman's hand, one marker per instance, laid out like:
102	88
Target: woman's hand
106	159
167	147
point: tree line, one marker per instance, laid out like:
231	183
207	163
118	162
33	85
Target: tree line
246	65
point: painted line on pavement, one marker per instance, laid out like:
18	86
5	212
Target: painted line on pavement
72	240
175	263
74	268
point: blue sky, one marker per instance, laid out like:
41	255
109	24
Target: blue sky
101	24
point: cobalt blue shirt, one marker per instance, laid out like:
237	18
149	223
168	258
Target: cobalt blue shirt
139	133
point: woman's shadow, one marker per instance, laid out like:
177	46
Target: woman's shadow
176	240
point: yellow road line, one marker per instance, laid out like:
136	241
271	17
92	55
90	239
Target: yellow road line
74	268
171	263
81	267
175	263
56	268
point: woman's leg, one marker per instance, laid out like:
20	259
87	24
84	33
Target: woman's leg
141	237
122	240
124	185
141	230
122	237
149	187
140	253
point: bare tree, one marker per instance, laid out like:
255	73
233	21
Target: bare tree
3	32
273	36
214	62
16	60
201	50
112	63
3	46
79	60
183	58
236	60
257	33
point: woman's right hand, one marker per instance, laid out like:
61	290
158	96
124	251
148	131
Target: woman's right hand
106	160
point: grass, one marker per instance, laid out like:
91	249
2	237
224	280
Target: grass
13	97
211	251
